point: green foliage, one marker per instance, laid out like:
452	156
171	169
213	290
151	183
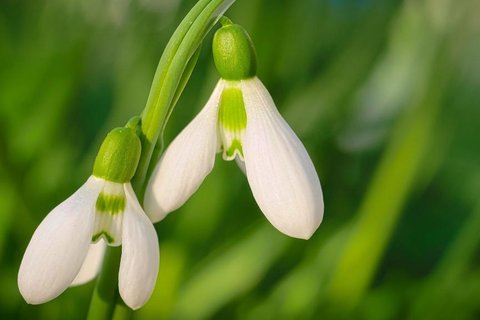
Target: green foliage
384	95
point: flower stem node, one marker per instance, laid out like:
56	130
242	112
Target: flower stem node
118	157
233	52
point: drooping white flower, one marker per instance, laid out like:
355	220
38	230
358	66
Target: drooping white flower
241	120
67	247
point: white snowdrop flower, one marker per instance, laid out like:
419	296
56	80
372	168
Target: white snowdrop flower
241	120
67	247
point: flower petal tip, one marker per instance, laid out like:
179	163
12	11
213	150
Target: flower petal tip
299	230
153	206
132	302
140	255
32	296
58	247
281	174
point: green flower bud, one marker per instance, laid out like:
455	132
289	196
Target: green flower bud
233	52
118	157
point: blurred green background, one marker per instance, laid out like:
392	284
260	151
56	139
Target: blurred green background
384	94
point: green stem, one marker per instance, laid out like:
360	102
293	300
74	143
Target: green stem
172	74
183	82
106	290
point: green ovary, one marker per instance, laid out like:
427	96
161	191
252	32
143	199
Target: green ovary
232	121
118	156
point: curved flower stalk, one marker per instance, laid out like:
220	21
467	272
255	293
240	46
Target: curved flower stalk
241	120
67	247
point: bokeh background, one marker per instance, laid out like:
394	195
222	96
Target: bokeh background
384	94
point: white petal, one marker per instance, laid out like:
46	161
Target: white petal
140	254
59	245
241	164
280	172
185	163
92	264
109	217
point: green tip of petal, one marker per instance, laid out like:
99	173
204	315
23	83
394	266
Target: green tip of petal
234	149
233	52
108	237
118	157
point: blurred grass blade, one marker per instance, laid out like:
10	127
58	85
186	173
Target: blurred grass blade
229	275
297	295
439	296
384	200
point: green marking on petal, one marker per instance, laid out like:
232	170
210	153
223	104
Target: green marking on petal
105	234
112	204
232	115
235	147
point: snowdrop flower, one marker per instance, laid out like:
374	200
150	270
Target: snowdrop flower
67	247
241	120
